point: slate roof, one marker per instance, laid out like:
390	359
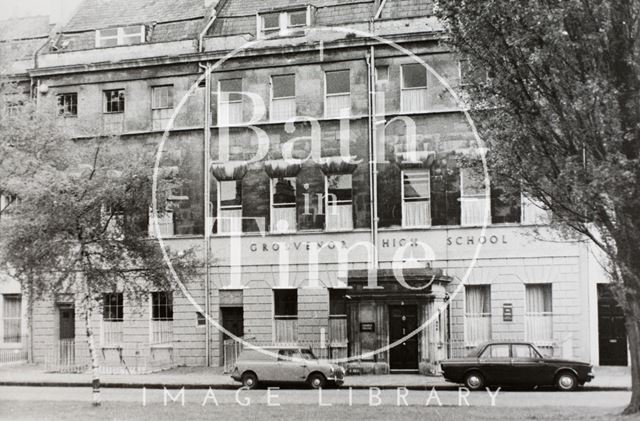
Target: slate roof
97	14
24	28
250	7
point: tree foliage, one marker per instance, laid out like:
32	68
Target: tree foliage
560	112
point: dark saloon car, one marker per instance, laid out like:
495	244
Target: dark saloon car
501	363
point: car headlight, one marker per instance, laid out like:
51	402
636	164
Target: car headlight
331	371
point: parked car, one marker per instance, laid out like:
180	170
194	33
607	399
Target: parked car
506	363
285	364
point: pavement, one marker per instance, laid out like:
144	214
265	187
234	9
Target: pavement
606	378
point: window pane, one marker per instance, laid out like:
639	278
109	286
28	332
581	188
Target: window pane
162	305
104	33
505	206
477	299
496	351
416	185
112	306
338	82
230	193
339	188
284	191
12	305
285	302
382	73
271	21
68	104
162	97
414	76
298	18
284	86
132	30
337	302
538	298
231	85
523	351
114	101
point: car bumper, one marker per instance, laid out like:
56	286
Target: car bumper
590	376
338	381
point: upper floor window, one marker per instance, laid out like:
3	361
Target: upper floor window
230	206
114	101
283	97
471	74
283	22
229	102
473	200
416	198
414	87
505	206
339	202
161	106
127	35
68	104
337	93
283	204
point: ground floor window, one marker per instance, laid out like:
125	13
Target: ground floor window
11	318
285	314
477	318
337	316
112	319
161	317
538	313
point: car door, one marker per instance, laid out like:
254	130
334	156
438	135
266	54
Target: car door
495	364
527	365
291	366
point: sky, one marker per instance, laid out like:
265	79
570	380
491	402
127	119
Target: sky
57	9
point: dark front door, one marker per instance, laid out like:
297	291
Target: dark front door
232	321
611	330
402	321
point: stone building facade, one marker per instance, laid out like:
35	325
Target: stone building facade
336	147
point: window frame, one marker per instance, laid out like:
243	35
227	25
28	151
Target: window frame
276	306
285	27
117	307
107	101
64	106
404	89
17	318
169	105
220	102
156	305
337	202
120	36
272	205
344	93
404	200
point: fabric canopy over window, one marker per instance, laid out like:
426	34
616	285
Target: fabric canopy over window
226	171
282	168
338	165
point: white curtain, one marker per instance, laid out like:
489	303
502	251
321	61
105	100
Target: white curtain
285	218
538	298
283	109
230	221
160	118
165	221
475	211
414	100
477	299
417	214
229	113
339	217
337	105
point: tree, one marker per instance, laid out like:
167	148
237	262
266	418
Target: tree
560	112
80	223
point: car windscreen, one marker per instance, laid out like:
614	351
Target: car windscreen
307	354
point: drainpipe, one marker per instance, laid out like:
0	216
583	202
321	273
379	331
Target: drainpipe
207	208
373	164
212	18
379	12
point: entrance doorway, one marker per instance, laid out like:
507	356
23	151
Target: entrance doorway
611	330
232	321
67	335
403	319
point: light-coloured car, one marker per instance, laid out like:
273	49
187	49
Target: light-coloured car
285	364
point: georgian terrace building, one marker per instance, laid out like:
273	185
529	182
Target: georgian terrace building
329	150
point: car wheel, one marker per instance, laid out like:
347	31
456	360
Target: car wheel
249	380
566	381
474	380
316	381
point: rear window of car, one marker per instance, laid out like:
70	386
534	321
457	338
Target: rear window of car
496	351
254	355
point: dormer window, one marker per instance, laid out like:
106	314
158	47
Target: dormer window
127	35
283	22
